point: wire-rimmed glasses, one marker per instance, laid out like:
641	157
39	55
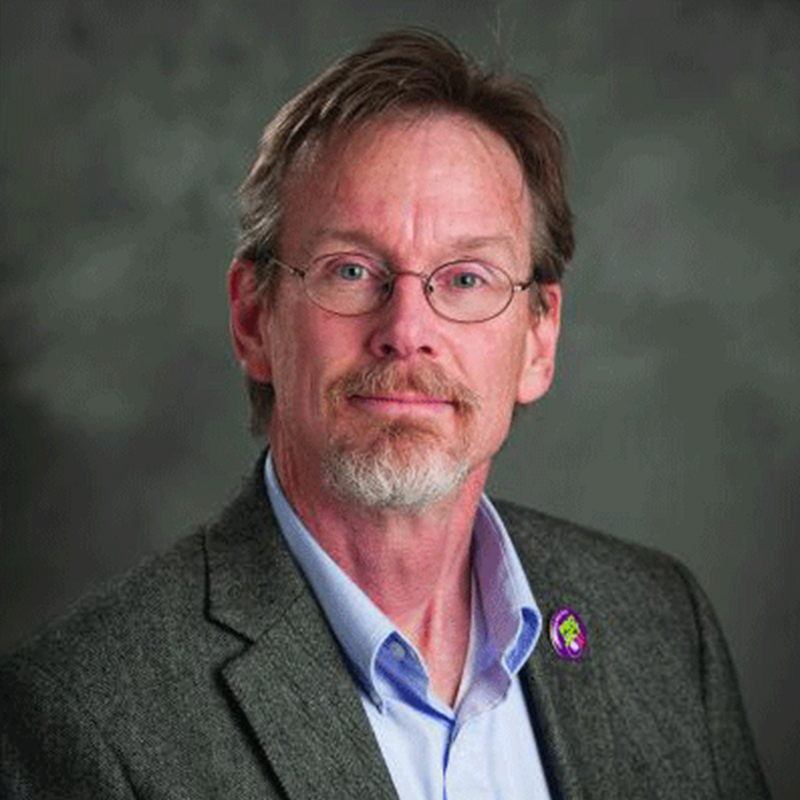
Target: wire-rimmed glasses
351	285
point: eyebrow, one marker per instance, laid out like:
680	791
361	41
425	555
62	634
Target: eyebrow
362	239
354	237
484	242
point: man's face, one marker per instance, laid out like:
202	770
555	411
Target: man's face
398	407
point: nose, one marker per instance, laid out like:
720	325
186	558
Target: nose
406	325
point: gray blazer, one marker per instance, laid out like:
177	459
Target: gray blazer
211	672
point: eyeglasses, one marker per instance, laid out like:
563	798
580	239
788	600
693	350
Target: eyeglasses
461	291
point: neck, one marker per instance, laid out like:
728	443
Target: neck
415	566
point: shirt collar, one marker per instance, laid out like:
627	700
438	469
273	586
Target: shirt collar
511	621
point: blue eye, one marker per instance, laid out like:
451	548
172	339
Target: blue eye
345	272
463	277
465	280
351	272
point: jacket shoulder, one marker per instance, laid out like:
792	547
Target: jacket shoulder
552	540
151	608
115	622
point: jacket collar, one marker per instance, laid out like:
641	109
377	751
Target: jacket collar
289	680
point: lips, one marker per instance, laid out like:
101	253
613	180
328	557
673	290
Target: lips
402	399
400	405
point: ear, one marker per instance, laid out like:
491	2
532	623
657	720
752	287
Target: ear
541	341
248	321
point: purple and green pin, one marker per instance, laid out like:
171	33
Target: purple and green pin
568	634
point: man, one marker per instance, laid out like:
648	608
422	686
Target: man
363	621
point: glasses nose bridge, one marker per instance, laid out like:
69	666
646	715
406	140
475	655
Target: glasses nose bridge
423	276
424	279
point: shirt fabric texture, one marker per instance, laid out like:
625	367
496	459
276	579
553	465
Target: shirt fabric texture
485	748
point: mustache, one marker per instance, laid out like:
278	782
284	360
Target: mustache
428	380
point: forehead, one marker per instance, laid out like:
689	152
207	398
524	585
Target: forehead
409	180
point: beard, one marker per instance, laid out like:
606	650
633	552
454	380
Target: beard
399	463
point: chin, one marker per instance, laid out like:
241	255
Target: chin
405	466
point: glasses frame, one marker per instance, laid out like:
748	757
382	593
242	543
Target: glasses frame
427	291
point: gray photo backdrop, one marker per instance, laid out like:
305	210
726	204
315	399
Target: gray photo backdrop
126	128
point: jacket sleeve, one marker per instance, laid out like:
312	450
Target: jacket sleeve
734	754
50	748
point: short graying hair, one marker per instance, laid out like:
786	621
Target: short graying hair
413	70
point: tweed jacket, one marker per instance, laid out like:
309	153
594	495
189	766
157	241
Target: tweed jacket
211	672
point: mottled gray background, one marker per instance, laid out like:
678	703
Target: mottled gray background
126	127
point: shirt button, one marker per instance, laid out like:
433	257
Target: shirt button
398	651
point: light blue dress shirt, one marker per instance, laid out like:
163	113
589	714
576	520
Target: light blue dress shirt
484	749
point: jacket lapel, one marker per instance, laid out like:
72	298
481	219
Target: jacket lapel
569	699
290	681
570	707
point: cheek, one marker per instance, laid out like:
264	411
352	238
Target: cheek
502	362
311	349
289	352
502	374
497	374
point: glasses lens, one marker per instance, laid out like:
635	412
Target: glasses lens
469	291
347	284
464	291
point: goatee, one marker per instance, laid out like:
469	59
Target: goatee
400	463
